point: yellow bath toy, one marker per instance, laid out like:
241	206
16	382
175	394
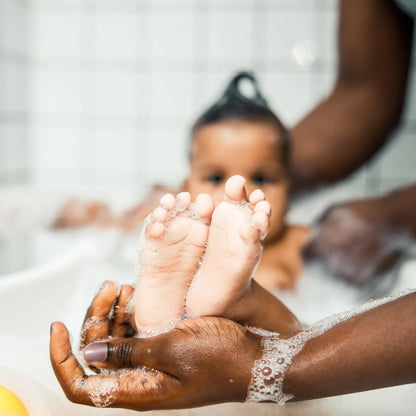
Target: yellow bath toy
10	404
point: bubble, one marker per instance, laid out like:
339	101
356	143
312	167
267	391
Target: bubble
268	381
269	371
102	390
92	321
304	53
163	328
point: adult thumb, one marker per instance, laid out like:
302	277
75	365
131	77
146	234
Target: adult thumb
131	353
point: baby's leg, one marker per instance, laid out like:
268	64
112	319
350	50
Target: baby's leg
233	251
175	240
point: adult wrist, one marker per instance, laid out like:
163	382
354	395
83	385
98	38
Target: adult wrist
268	381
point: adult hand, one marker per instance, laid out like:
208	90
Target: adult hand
359	240
199	362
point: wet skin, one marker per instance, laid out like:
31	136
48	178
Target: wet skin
184	373
209	360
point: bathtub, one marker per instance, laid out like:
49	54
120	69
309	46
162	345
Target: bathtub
59	283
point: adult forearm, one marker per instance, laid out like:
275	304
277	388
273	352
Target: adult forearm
372	350
338	136
356	119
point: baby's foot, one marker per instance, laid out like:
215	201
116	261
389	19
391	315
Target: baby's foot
233	251
174	242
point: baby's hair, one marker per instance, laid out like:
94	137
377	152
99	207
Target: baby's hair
234	105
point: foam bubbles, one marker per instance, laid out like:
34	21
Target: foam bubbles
102	390
151	254
93	320
268	372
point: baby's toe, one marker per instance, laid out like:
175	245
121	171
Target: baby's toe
155	230
183	200
261	222
256	196
204	206
235	190
159	214
263	206
167	201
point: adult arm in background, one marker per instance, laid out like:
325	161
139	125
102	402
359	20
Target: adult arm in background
209	360
348	127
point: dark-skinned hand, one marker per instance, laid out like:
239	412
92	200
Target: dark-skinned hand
199	362
358	241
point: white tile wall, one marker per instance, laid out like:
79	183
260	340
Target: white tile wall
171	97
116	95
115	84
171	36
121	36
410	108
286	30
63	144
322	83
3	84
15	25
16	87
15	164
230	37
17	160
325	25
3	19
165	142
117	151
57	92
399	159
289	93
3	154
57	35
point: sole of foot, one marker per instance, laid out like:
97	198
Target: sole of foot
234	249
174	241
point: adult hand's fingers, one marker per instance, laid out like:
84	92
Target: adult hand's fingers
138	389
96	324
121	326
67	369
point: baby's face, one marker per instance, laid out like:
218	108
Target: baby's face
240	148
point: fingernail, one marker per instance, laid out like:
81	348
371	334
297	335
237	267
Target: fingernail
96	352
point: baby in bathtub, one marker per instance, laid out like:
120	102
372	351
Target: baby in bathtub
241	136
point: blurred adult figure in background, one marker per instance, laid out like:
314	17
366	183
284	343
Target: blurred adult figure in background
359	240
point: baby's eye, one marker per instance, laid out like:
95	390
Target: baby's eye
261	179
215	178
